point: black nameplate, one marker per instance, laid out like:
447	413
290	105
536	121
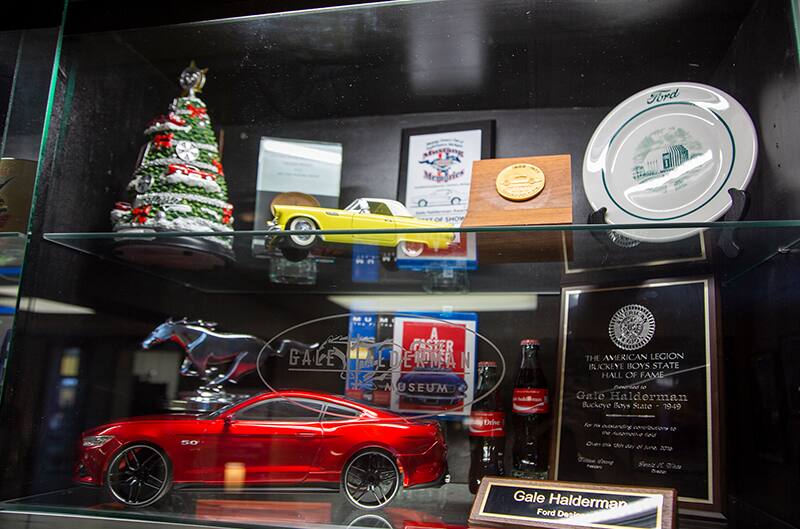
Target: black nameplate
553	504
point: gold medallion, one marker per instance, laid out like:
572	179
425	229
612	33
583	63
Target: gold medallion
520	182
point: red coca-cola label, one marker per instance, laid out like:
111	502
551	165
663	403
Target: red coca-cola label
487	423
527	401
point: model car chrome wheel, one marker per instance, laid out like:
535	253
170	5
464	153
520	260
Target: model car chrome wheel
371	480
139	475
370	521
302	240
411	249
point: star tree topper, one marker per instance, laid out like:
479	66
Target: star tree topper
192	80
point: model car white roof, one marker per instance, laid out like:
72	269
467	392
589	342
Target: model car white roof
397	209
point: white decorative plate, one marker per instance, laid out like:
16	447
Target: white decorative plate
669	154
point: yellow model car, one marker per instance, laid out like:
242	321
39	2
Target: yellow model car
361	214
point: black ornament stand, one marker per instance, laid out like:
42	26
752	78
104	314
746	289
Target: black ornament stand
599	217
727	241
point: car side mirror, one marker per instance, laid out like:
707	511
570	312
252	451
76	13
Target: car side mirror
227	420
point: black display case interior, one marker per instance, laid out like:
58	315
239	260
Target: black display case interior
546	72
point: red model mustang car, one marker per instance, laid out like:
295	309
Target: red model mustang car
287	438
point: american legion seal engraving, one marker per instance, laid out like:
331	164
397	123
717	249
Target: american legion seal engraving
632	327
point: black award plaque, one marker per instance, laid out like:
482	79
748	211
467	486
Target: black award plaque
637	389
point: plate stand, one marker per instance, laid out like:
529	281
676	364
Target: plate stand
609	239
598	217
727	240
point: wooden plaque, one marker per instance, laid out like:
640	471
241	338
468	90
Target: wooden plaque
564	505
553	205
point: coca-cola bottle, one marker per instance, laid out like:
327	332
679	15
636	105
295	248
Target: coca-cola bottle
487	433
530	416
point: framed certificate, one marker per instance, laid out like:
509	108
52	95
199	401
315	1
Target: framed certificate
288	165
637	391
436	168
435	179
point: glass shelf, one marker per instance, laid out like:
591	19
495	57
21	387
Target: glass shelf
535	259
436	508
446	507
762	224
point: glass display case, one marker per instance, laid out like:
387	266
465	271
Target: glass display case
340	266
26	67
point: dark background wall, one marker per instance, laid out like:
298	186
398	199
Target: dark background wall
9	49
760	329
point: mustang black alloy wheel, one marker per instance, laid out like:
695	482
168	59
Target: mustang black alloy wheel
371	479
139	475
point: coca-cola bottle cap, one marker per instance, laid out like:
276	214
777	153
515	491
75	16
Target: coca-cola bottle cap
529	341
487	364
